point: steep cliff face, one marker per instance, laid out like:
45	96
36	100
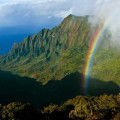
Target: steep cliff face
51	54
54	54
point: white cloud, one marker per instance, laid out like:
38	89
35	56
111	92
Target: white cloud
64	13
11	13
107	13
23	12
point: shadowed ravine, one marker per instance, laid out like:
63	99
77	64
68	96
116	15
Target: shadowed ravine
14	88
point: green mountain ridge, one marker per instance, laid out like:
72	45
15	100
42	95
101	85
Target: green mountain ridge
50	54
56	53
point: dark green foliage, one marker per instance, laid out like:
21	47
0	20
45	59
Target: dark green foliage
103	107
96	107
20	111
50	109
24	89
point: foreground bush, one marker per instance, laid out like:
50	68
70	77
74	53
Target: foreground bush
80	108
20	111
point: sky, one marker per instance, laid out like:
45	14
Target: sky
20	18
39	12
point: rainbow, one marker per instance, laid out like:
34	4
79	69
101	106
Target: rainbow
90	55
93	47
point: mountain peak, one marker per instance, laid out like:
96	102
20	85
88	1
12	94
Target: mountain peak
42	56
70	16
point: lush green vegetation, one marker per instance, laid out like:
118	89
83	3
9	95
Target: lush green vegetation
54	54
103	107
50	54
56	59
106	64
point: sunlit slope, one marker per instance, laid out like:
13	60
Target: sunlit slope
54	54
106	63
51	54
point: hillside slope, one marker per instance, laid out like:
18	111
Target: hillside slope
51	54
54	54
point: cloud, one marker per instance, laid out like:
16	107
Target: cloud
29	16
63	14
106	12
26	12
36	12
23	12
